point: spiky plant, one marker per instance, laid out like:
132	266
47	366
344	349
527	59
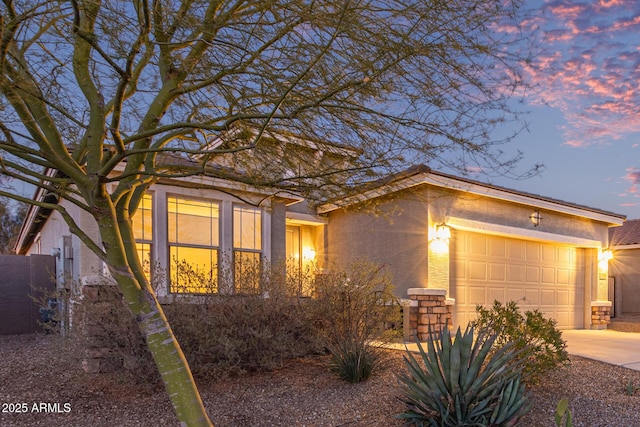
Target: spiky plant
460	382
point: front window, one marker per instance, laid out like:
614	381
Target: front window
194	241
247	248
142	223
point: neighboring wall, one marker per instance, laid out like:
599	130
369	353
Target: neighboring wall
21	280
625	269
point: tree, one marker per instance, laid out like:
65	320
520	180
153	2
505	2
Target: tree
100	99
10	220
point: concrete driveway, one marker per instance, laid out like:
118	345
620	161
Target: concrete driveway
614	347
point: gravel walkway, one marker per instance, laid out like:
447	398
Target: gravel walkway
39	377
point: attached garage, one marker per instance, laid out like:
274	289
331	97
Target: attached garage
542	275
457	243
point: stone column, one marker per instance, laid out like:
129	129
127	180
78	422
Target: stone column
429	312
600	314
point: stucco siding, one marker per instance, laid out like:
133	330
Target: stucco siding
394	234
458	204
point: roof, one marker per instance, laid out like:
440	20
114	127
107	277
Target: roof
627	234
421	174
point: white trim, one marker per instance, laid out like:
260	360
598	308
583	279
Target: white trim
517	232
305	219
601	303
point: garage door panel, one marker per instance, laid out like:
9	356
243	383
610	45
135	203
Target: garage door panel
548	275
496	294
477	270
477	295
532	296
562	276
477	245
562	297
533	251
515	273
536	275
515	294
497	249
515	249
532	274
561	317
497	272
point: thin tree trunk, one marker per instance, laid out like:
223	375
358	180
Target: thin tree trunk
142	302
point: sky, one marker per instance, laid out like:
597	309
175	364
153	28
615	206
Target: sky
584	105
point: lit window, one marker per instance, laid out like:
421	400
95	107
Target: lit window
142	223
194	239
247	247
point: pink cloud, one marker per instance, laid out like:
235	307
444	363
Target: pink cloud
588	67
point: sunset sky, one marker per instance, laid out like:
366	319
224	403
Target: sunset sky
584	123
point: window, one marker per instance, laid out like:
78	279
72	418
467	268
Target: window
194	239
247	248
142	223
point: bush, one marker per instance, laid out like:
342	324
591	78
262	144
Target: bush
462	382
229	334
541	344
356	314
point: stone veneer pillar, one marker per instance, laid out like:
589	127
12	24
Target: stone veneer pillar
600	314
429	311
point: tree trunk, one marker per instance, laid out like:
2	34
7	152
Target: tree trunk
142	302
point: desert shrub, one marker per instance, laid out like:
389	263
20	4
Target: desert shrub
543	348
232	334
356	314
462	382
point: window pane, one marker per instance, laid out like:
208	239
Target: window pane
194	270
142	220
247	272
144	254
247	228
193	222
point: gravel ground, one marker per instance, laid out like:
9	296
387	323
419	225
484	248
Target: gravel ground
40	378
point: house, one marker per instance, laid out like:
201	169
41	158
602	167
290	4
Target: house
461	240
624	268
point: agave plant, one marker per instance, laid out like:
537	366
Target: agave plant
461	382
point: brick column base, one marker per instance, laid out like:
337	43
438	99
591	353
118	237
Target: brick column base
430	311
600	314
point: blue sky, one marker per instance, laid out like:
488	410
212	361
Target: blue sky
584	120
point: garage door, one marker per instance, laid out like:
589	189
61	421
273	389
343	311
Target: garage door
538	275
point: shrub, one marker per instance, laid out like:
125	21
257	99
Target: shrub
543	348
356	313
232	334
462	382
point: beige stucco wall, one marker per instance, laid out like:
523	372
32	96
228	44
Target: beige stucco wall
393	234
84	261
396	232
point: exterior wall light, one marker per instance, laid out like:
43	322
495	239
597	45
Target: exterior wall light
605	255
443	232
308	254
535	218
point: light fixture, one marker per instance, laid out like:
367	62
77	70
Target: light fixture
308	254
535	218
443	232
605	255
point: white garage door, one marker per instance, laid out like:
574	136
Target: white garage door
538	275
